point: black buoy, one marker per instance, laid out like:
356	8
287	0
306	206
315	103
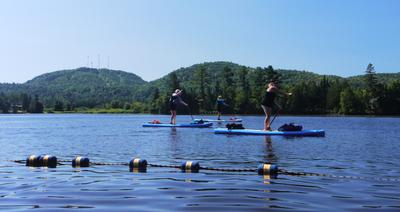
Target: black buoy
190	166
32	160
267	169
79	161
138	165
48	161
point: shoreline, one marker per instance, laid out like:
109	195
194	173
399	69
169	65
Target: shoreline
206	115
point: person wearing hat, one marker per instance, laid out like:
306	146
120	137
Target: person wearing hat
268	102
220	106
174	101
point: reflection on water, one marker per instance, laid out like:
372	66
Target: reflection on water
270	157
349	149
173	133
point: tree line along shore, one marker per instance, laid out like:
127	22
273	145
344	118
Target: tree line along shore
88	90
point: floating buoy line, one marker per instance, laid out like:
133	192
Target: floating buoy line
137	164
140	165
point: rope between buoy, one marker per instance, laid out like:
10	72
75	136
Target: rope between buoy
280	171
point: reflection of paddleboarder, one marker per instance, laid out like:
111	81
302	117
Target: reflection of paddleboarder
174	101
220	106
271	156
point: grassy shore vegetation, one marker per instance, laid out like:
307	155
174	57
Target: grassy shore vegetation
86	90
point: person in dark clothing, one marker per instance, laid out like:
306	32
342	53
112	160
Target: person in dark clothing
268	102
220	106
174	101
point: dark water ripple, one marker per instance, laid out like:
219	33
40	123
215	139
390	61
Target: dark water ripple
366	149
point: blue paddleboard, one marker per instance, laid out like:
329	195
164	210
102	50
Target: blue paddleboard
275	132
221	120
204	125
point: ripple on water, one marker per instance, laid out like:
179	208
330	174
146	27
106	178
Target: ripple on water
349	149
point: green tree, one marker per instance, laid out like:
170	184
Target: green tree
70	107
138	107
271	75
127	106
322	93
391	100
173	82
373	91
333	96
190	98
201	82
116	104
59	106
36	106
347	101
4	103
242	98
26	100
156	102
257	86
297	102
215	92
371	80
227	86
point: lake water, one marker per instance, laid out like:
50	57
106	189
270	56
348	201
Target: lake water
365	149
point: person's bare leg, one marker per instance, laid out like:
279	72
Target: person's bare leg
267	120
267	111
172	117
174	120
219	116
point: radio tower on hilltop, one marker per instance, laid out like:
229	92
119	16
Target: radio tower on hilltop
98	59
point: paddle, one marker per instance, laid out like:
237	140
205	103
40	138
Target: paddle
276	114
234	114
233	110
190	112
279	109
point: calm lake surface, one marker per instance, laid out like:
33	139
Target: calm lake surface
367	149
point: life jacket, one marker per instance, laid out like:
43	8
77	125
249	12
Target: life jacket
234	126
290	127
172	99
198	121
155	122
220	102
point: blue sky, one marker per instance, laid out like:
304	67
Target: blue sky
153	38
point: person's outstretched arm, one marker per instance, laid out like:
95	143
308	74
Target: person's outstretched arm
181	101
283	93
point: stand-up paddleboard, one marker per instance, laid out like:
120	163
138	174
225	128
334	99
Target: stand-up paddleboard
221	120
320	133
193	125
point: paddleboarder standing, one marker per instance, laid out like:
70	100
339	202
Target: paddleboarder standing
220	106
268	102
174	101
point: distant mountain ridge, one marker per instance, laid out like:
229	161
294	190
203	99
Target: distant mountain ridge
288	76
105	77
83	86
96	87
383	78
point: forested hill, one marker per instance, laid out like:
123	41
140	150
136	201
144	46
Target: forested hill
241	86
287	77
186	75
383	78
87	77
82	87
202	83
214	72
